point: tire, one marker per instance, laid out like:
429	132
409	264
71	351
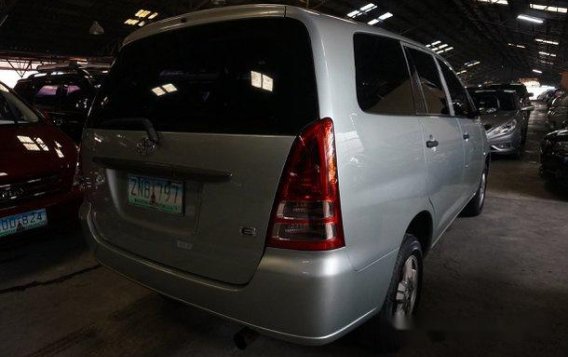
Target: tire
403	295
475	206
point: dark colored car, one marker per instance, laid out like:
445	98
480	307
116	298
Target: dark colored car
554	156
63	93
38	169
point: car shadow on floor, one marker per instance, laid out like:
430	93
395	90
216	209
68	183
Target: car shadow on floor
37	253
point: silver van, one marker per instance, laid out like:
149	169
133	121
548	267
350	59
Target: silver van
279	167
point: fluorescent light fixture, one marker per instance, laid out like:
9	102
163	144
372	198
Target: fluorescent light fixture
373	21
471	63
370	6
168	87
462	72
386	15
528	18
548	42
448	49
546	62
142	13
131	22
158	91
537	71
547	54
142	23
516	45
354	14
152	16
557	9
435	43
500	2
442	46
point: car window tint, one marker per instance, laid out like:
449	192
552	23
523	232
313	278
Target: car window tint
429	80
75	97
458	94
47	95
383	82
252	76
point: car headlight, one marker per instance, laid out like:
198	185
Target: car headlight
503	129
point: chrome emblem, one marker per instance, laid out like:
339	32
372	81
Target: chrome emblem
146	146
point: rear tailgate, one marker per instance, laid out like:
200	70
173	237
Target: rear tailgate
227	100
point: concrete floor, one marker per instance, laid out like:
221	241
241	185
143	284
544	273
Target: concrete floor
495	285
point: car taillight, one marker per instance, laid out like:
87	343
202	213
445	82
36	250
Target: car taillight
306	213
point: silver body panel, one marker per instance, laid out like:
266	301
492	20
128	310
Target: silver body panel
387	177
504	143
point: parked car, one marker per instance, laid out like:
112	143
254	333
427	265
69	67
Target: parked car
554	156
557	115
279	167
63	92
524	101
547	96
38	169
502	118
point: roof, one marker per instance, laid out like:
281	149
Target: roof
255	11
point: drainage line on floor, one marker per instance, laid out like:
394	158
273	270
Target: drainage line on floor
57	280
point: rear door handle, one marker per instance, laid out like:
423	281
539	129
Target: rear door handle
432	143
466	136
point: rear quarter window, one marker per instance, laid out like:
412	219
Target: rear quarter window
251	76
383	81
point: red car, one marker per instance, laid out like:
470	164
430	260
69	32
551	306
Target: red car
39	173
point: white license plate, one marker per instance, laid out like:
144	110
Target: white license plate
23	222
156	193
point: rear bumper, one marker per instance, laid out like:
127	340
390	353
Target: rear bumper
60	207
301	297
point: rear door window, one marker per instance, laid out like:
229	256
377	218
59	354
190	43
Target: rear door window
458	94
428	75
243	77
383	81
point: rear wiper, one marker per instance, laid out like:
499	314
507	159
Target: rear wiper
140	122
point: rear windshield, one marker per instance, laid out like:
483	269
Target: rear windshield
56	92
241	77
519	88
496	100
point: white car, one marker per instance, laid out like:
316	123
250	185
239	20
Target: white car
279	167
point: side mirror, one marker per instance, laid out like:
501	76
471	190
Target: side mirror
528	108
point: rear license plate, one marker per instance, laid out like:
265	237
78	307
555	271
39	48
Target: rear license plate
156	193
23	222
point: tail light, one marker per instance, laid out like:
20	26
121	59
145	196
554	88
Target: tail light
306	213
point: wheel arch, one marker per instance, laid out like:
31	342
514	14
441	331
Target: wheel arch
421	227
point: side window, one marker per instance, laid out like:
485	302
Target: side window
383	82
424	67
460	100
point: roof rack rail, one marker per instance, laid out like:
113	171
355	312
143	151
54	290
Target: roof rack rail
72	65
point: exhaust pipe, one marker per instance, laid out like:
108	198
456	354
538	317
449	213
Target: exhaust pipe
244	338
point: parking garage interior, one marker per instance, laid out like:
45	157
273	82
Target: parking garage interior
493	285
